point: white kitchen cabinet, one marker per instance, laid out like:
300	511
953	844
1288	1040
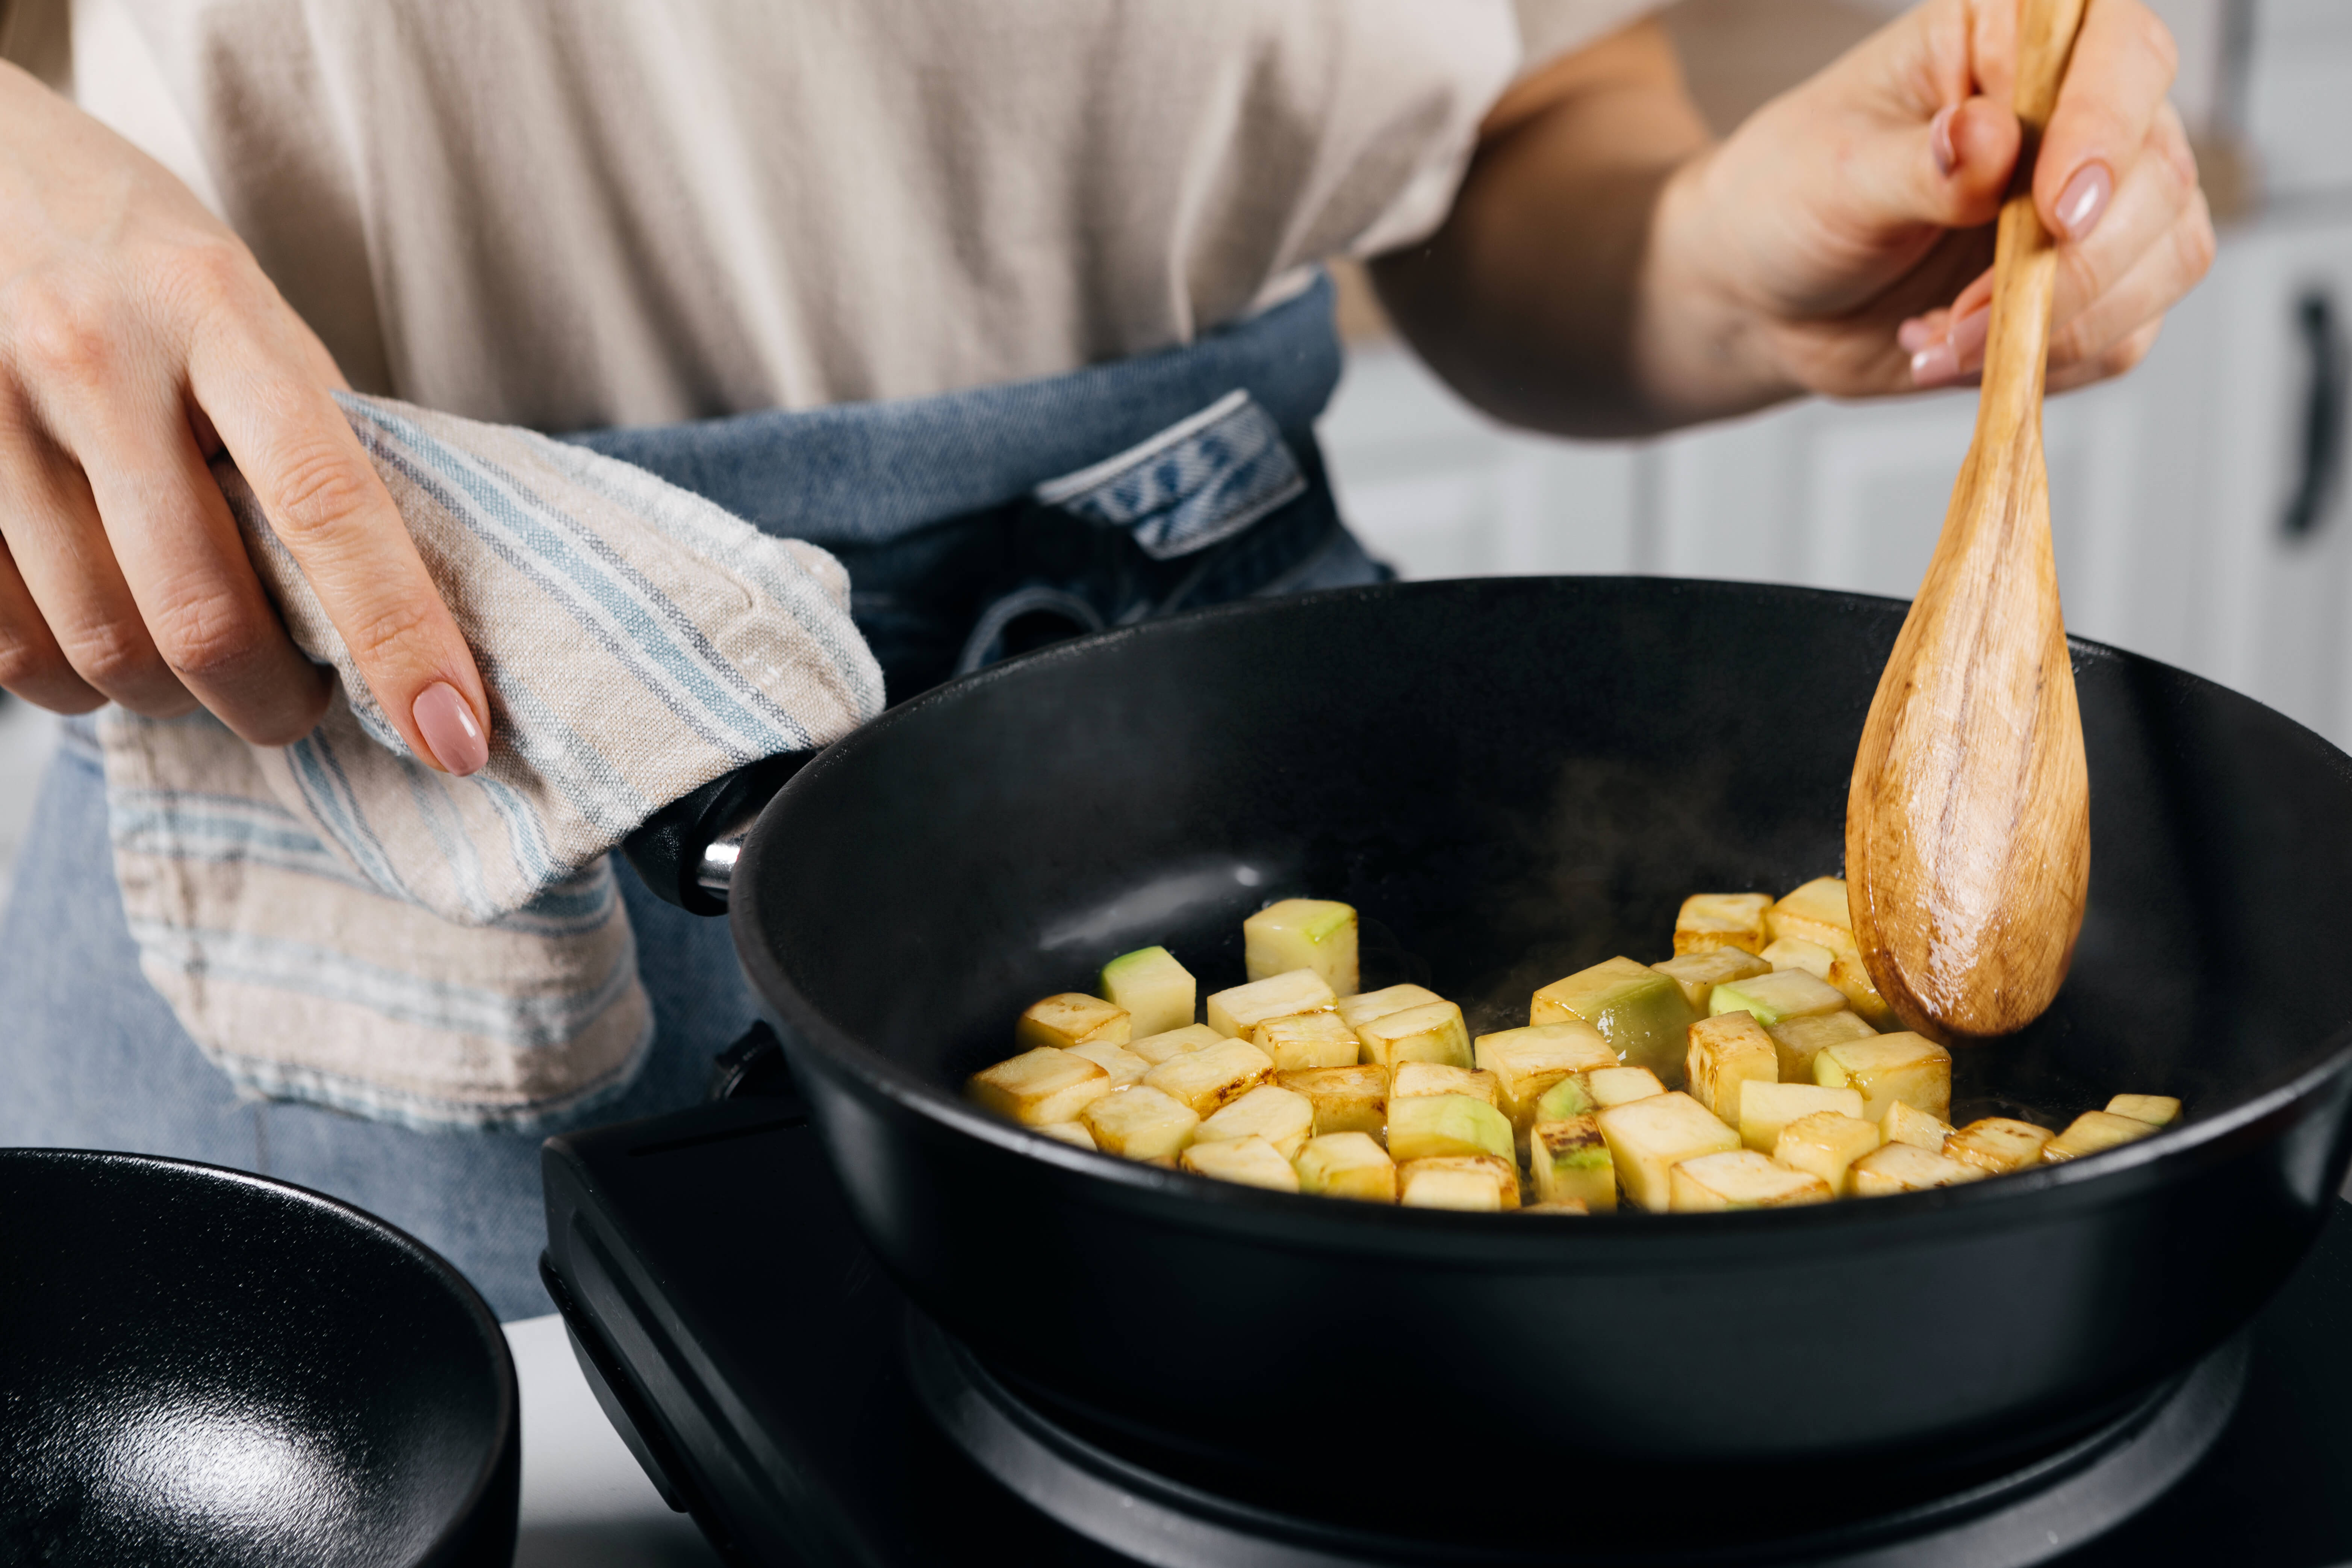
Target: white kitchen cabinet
1440	491
2274	600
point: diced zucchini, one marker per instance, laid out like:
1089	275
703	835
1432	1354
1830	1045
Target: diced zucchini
1564	1206
1363	1008
1621	1086
1826	1143
1070	1132
1479	1183
1711	921
1281	1116
1156	990
1797	1041
1347	1165
1238	1010
1571	1096
1301	1040
1071	1019
1527	1062
1816	912
1906	1168
1998	1144
1776	997
1038	1087
1433	1032
1766	1108
1141	1123
1433	1126
1910	1068
1789	952
1347	1099
1726	1051
1569	1162
1251	1162
1740	1179
1852	977
1210	1078
2156	1110
1302	933
1640	1012
1407	1079
1158	1048
1123	1065
1699	974
1909	1124
1648	1138
2091	1132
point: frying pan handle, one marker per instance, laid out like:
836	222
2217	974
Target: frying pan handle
685	852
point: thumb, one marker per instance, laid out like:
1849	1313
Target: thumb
1949	173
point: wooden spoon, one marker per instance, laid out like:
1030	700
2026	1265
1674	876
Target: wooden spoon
1967	830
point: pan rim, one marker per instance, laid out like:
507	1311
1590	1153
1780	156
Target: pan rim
1354	1227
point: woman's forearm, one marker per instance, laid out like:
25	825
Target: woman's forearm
1545	298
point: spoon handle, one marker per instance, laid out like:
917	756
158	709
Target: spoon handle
2025	256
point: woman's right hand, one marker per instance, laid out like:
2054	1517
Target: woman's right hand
139	339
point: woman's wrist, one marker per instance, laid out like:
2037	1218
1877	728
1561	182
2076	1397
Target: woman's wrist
1702	348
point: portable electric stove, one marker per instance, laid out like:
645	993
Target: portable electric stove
776	1385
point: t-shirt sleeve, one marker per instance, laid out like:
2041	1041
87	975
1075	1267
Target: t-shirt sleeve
1550	28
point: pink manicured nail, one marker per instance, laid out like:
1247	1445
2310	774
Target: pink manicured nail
1960	353
1915	334
2085	201
1967	339
1935	365
1940	139
451	730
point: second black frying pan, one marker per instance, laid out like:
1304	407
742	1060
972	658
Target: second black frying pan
200	1367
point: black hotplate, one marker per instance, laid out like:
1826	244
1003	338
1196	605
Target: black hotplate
777	1386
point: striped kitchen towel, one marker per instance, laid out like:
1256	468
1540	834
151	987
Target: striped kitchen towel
333	922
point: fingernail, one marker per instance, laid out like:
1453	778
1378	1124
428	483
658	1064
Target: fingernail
1916	333
451	730
1936	365
2085	199
1967	339
1940	139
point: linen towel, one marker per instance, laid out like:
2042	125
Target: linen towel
334	921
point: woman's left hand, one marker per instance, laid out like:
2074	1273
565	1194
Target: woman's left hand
1842	227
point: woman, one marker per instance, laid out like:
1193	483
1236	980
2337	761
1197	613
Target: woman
1005	248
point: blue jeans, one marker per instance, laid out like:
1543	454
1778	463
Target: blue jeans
950	565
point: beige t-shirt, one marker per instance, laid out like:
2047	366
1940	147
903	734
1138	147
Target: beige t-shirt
572	212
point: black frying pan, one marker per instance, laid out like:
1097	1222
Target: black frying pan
1515	779
202	1367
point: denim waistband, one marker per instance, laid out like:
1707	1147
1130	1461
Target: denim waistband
865	473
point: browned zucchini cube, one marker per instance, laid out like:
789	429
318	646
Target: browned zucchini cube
1910	1068
1071	1019
1282	1118
1251	1162
1711	921
1740	1179
1475	1182
1038	1087
1346	1100
1727	1051
1301	1040
1209	1080
1998	1144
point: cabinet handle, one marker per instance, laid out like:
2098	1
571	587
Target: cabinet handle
2323	414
